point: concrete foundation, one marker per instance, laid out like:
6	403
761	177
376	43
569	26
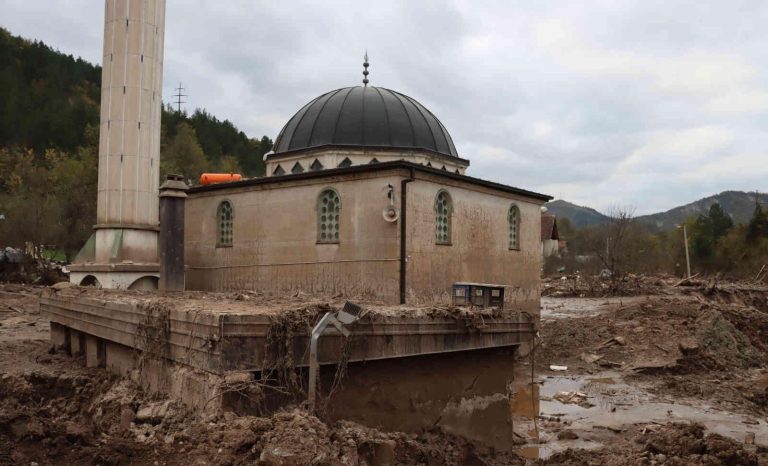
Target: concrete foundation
77	343
407	369
95	351
116	276
59	336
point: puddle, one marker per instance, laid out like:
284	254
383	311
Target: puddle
487	398
617	404
563	308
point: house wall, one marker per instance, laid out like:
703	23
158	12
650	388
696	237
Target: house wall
275	245
479	249
549	247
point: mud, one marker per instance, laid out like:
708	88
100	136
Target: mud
677	376
55	411
300	304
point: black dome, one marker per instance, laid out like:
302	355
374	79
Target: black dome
365	117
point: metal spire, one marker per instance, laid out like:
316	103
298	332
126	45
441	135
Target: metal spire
365	70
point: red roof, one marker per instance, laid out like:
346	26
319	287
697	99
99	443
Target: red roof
548	227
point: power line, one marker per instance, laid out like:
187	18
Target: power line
178	97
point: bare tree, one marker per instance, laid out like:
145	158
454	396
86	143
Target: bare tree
614	255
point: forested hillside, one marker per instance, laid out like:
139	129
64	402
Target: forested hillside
49	117
739	205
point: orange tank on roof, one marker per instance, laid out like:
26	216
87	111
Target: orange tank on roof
212	178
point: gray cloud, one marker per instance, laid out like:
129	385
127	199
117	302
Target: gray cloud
641	103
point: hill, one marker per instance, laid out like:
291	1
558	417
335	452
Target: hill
579	216
48	99
49	134
739	205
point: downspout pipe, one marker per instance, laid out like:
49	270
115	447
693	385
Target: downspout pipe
403	223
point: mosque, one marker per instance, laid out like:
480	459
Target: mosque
365	195
366	199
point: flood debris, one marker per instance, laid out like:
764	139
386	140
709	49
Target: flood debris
589	358
575	397
686	346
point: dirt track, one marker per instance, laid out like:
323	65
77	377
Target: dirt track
698	350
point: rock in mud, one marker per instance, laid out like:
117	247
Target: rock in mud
153	413
567	435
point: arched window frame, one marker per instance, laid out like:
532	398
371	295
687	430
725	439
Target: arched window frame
513	221
327	225
443	216
225	227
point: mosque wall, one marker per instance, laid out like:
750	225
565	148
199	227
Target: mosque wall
479	247
275	245
331	158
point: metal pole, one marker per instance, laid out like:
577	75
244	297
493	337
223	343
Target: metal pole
687	257
314	367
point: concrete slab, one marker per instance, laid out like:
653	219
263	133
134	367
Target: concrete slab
219	334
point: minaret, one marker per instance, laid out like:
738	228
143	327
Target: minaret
122	253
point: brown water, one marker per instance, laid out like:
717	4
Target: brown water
617	404
485	397
563	308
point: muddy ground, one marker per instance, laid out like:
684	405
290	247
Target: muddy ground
678	376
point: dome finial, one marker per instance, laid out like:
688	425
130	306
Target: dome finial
365	69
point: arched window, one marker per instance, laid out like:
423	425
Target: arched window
328	210
224	216
514	227
443	210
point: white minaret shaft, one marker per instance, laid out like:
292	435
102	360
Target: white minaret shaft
122	253
129	142
131	99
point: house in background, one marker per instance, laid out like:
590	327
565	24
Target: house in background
550	239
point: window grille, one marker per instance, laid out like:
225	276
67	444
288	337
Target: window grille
514	227
328	210
224	216
443	209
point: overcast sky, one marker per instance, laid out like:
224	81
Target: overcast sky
645	104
